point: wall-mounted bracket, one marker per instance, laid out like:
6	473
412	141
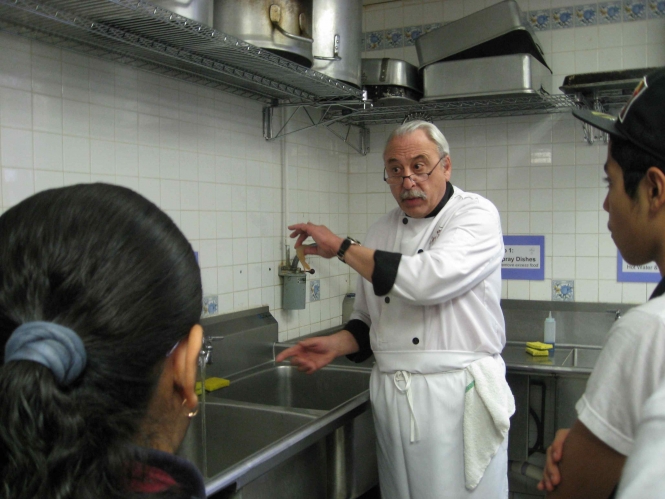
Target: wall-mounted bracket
331	115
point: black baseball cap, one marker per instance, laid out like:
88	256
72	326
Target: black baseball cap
642	119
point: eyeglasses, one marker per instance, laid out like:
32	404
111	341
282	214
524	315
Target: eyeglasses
414	177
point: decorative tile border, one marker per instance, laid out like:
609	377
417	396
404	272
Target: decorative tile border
578	16
656	9
563	18
609	12
586	15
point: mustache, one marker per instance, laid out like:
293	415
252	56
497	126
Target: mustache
412	194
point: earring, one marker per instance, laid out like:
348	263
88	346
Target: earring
191	414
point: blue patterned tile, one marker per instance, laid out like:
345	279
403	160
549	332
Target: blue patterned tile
656	9
393	38
210	306
374	40
411	34
586	15
634	10
609	12
563	290
432	26
539	19
562	18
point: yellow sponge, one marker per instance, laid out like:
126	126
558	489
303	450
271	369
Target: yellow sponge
537	353
212	384
538	345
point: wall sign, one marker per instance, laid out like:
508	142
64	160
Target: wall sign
636	273
524	258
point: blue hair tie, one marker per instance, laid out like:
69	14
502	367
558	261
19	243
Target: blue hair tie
52	345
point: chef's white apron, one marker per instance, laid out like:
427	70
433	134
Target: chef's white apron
419	415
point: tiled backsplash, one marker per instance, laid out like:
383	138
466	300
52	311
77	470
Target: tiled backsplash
197	153
200	155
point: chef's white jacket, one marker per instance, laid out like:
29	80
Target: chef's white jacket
448	296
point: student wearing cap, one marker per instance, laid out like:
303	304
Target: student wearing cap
587	460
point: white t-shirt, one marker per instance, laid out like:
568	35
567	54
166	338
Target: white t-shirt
630	368
644	474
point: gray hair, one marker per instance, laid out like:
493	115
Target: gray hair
432	132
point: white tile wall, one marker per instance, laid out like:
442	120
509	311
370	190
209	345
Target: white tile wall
538	171
197	153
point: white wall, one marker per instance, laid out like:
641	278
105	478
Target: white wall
539	172
197	153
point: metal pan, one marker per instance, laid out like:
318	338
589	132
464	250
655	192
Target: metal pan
496	30
488	77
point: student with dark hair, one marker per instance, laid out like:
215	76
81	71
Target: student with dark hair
100	299
587	460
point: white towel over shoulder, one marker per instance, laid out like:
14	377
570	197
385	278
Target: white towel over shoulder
488	405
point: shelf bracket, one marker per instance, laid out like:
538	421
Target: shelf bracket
330	115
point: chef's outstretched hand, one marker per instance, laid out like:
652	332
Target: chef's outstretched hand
327	244
551	475
311	354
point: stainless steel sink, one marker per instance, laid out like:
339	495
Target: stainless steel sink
567	359
235	432
277	432
583	357
285	386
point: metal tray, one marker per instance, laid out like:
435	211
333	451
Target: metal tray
490	76
496	30
626	79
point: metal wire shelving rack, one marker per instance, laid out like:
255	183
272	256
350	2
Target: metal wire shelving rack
140	34
151	38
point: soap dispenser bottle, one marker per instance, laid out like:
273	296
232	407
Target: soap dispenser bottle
550	332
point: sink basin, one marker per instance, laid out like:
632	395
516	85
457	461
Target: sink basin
567	359
285	386
582	357
235	432
277	429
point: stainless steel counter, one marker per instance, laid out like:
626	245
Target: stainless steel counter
566	360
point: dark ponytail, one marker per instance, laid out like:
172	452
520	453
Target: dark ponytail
108	264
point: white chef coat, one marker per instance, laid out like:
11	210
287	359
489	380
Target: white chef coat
442	313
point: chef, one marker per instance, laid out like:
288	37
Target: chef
427	306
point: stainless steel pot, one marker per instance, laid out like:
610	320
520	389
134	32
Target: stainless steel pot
197	10
337	32
391	82
281	26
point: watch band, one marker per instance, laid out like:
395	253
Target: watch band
346	244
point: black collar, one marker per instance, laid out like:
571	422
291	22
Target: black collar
660	289
444	200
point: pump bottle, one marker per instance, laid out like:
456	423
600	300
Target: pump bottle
550	332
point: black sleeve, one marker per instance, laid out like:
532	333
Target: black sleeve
385	271
360	331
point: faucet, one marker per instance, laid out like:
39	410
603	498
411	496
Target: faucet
617	313
205	355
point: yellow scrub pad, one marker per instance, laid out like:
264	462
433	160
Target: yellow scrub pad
212	384
537	353
538	345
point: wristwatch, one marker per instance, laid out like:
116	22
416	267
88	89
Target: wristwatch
349	241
